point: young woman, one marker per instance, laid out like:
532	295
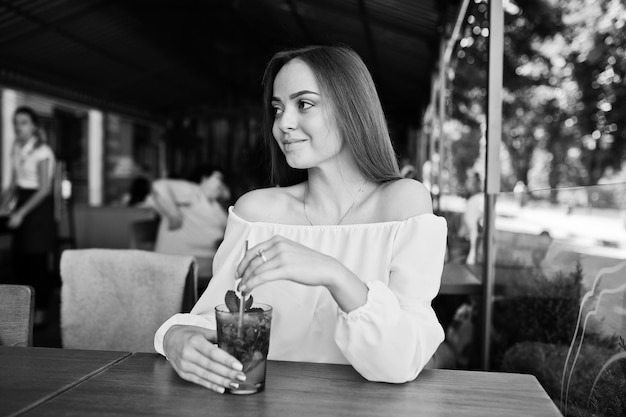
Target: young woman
348	254
32	216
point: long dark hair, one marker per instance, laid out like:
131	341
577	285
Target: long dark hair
40	135
348	86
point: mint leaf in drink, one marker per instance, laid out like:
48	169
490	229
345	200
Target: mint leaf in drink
232	301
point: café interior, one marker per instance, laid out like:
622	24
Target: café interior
533	295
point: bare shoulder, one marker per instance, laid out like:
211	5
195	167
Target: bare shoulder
264	204
405	198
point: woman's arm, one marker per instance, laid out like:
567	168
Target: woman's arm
387	331
166	204
7	196
44	190
188	340
394	335
285	259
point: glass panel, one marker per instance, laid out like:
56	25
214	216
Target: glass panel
559	310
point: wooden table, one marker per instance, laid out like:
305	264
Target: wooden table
459	279
31	376
146	384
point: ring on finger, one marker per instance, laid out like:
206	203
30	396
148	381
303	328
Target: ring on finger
261	255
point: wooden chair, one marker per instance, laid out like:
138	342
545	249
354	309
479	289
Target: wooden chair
116	299
17	304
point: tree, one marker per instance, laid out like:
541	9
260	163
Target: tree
564	86
526	69
597	35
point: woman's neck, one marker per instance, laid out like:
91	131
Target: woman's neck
328	198
23	142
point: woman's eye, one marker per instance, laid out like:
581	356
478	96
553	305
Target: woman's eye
277	111
304	105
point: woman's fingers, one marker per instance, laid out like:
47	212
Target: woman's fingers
210	376
261	277
196	379
214	354
259	264
255	252
279	258
199	361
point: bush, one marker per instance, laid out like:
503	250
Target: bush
536	309
533	328
545	361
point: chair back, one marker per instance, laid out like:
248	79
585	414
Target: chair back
16	315
143	234
116	299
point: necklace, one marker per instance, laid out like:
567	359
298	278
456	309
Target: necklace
306	191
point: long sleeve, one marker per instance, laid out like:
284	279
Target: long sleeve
226	258
394	335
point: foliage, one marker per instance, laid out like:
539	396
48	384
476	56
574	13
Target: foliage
545	361
533	326
536	308
598	55
564	88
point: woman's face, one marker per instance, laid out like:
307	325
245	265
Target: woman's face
24	126
302	125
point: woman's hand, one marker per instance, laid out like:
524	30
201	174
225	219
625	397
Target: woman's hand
282	259
15	220
279	258
195	358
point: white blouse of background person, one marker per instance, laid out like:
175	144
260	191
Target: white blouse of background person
26	160
203	219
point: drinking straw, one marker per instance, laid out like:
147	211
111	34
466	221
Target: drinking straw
242	304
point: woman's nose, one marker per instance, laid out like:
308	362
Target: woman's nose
288	120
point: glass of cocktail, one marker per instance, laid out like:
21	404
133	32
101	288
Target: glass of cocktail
248	344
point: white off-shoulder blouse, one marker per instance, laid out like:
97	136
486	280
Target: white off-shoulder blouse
390	338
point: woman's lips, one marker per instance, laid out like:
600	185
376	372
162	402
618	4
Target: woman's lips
290	143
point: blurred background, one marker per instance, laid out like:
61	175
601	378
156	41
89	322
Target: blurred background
130	89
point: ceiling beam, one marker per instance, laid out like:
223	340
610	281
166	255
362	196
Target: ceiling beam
77	14
303	26
69	36
179	48
38	83
370	40
51	27
414	32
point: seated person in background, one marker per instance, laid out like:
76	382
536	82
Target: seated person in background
347	253
139	193
192	216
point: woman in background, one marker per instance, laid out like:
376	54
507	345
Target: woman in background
30	204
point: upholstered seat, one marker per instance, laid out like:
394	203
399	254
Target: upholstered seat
16	315
115	299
